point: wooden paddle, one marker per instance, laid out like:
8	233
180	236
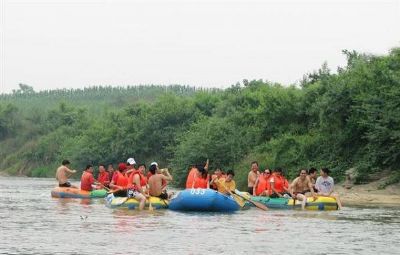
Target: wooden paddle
256	204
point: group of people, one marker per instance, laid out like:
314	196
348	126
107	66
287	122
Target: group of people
274	184
128	180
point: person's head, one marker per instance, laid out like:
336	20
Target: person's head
131	163
110	168
278	171
325	171
312	172
65	162
201	171
254	166
102	168
89	168
267	172
218	172
153	169
303	173
121	167
229	175
142	168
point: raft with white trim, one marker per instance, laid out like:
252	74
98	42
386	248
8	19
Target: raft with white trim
132	203
66	192
203	200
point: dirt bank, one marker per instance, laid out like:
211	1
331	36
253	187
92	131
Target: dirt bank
370	194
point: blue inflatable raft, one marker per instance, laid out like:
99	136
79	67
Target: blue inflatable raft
203	200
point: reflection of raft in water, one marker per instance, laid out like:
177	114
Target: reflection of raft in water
322	203
64	192
131	203
203	200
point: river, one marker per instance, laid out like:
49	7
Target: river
31	222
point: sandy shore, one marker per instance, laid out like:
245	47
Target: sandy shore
370	194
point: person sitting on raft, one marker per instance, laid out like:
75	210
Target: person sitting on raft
312	175
87	179
157	180
279	184
218	173
103	178
225	185
198	178
119	181
262	186
137	184
300	186
62	174
252	176
325	186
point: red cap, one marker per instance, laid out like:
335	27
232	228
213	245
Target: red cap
121	166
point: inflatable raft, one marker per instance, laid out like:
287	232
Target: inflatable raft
203	200
62	192
320	204
131	203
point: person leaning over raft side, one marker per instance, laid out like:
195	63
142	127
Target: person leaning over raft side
252	177
325	185
87	179
62	174
279	184
156	180
225	185
300	186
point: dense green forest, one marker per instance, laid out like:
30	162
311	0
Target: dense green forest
341	120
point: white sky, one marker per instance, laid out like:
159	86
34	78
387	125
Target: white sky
213	43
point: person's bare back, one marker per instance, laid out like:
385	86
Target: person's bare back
155	184
62	174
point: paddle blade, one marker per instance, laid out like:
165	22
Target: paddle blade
259	205
150	206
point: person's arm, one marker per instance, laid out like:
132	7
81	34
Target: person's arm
136	181
333	184
291	187
167	176
255	186
208	180
310	186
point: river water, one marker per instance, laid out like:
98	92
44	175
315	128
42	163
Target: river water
31	222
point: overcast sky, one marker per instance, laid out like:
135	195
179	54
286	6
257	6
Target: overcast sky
52	44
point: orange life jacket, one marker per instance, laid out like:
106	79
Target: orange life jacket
262	185
280	183
122	180
190	178
143	179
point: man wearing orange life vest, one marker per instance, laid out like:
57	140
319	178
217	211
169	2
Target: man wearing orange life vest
262	186
119	181
103	177
279	184
252	176
137	183
87	179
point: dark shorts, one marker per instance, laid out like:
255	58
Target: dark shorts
163	195
67	185
274	195
250	190
120	193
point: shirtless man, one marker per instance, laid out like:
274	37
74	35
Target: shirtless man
62	174
156	187
252	177
300	186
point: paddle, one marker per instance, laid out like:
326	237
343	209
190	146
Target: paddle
256	204
150	206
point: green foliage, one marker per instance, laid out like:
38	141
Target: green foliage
342	120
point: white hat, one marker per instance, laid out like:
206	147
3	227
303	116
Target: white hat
131	161
154	163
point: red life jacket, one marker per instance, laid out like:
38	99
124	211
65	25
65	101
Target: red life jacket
262	185
87	180
280	183
103	178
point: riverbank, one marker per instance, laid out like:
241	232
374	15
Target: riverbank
370	194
